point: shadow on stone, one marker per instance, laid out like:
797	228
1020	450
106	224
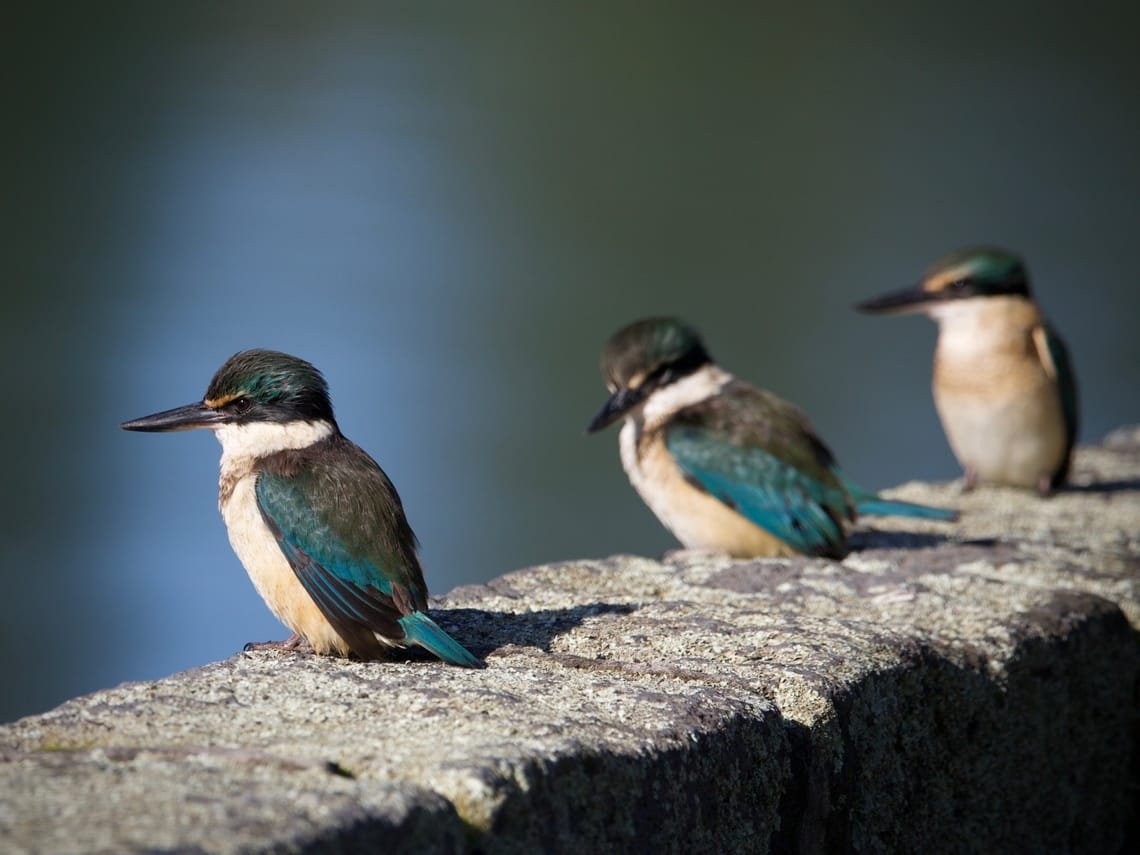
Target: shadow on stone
716	790
1021	763
870	538
483	632
1124	485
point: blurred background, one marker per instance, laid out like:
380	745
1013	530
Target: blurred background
448	208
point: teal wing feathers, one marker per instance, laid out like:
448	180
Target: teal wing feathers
340	523
758	455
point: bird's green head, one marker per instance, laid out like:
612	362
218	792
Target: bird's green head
266	385
976	272
643	357
982	271
252	386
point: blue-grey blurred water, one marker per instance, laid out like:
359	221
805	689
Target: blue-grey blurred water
448	208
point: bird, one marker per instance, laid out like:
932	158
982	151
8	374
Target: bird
725	465
1003	381
316	522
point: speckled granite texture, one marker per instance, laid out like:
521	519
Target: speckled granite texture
945	688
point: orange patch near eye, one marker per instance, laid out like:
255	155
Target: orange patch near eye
218	403
937	283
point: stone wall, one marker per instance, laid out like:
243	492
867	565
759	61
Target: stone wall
946	688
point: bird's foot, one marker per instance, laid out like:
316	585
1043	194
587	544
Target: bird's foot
971	480
293	642
1045	486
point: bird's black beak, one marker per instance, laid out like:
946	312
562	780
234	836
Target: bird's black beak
898	302
619	403
180	418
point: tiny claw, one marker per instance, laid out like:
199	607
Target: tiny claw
293	642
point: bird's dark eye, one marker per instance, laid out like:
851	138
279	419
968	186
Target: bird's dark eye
959	285
241	405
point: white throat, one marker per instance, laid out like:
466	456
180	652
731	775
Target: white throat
244	443
971	313
699	386
978	325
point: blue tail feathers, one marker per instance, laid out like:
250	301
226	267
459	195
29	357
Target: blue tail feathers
888	508
422	630
873	504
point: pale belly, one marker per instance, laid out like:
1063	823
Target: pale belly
1008	433
270	572
693	516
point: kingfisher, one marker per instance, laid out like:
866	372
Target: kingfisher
725	465
1003	382
317	523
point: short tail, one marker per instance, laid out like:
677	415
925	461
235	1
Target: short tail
875	505
422	630
887	508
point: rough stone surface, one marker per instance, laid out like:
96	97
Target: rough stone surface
945	688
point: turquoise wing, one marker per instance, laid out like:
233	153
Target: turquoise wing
353	593
765	486
341	525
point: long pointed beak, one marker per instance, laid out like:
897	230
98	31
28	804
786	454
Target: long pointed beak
619	403
898	302
180	418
